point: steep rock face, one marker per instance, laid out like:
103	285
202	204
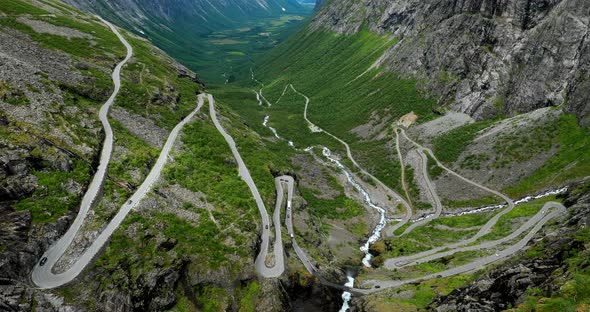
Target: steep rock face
482	58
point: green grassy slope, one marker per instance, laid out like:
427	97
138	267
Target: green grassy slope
333	71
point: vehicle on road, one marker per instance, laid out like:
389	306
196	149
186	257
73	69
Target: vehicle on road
266	227
43	260
130	202
292	236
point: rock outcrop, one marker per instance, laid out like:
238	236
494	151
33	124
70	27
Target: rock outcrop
482	58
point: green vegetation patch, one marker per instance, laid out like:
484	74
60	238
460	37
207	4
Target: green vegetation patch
16	7
339	208
51	199
449	146
327	68
207	159
506	222
572	160
103	43
417	297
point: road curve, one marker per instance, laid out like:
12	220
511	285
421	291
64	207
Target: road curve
43	276
536	223
244	173
403	168
56	250
390	263
398	197
541	214
438	207
478	263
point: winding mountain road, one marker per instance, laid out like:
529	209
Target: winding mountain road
391	192
541	218
260	262
42	275
536	223
438	207
391	263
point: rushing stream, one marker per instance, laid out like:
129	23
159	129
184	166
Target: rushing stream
382	218
274	131
491	207
376	232
346	295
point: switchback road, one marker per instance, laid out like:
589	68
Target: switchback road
42	275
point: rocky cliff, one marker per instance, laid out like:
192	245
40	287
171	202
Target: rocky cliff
484	58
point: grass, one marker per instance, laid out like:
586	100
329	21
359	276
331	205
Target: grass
434	170
428	236
156	77
417	297
211	298
249	295
465	221
476	202
139	156
144	252
79	47
449	146
17	7
572	160
474	161
51	199
324	66
339	208
359	229
521	146
388	170
222	49
206	157
506	222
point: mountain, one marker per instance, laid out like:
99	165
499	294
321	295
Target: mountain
481	57
197	32
379	156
